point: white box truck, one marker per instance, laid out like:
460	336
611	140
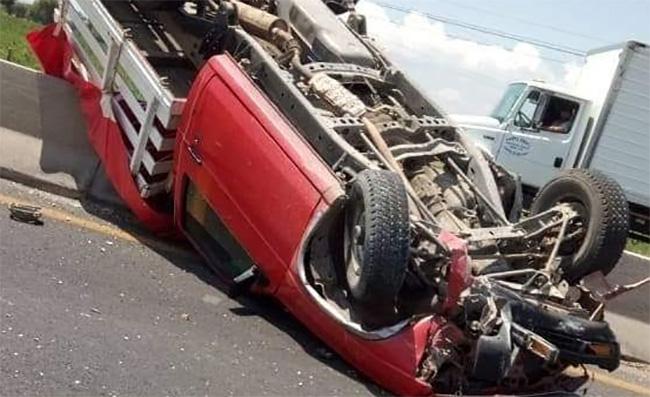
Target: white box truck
602	122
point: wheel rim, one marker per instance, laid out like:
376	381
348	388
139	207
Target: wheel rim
354	242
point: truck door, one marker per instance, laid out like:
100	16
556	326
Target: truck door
539	136
240	199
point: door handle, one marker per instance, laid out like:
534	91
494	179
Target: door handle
194	151
558	162
488	137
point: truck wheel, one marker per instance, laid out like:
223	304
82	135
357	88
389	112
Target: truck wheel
604	212
376	237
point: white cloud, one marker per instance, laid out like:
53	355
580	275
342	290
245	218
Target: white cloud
463	75
417	36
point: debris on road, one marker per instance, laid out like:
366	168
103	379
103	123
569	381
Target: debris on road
604	291
621	289
25	213
601	291
185	317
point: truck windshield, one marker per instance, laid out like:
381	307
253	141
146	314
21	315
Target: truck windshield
508	101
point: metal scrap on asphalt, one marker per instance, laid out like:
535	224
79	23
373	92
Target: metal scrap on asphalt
25	213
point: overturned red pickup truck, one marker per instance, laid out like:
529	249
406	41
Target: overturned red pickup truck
302	164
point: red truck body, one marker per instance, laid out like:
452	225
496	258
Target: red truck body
267	186
304	165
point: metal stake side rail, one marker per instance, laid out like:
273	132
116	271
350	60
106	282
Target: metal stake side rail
135	96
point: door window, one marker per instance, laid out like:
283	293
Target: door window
559	115
211	236
525	116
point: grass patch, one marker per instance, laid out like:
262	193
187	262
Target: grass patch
638	247
13	45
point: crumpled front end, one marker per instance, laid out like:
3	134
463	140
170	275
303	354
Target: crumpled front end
496	341
479	335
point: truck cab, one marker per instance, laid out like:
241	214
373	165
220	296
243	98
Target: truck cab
535	129
600	122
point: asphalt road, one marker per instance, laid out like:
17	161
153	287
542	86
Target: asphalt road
87	309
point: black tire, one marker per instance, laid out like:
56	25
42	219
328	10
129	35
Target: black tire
376	237
605	212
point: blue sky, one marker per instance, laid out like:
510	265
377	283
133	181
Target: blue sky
603	20
466	71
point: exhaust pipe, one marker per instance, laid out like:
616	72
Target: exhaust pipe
258	22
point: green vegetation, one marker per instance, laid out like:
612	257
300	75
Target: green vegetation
13	45
16	20
638	247
40	11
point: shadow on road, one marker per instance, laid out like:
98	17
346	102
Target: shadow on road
46	109
179	253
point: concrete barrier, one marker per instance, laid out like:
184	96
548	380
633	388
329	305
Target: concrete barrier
43	139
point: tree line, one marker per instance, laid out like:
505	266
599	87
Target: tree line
40	11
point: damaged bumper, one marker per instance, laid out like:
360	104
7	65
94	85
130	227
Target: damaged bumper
499	341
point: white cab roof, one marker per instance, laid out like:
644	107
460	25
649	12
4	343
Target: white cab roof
550	87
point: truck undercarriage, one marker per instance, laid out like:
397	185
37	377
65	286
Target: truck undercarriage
381	258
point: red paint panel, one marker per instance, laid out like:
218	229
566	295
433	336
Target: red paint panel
265	182
459	277
392	362
256	189
277	126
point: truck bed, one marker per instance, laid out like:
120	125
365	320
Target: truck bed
155	42
135	57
